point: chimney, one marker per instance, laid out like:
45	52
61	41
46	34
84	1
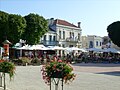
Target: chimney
79	24
50	21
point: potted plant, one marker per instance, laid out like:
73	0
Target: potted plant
57	69
7	67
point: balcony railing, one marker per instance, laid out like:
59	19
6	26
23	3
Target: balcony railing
49	43
72	39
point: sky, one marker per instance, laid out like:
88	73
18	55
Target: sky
94	15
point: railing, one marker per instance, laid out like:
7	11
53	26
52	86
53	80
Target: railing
72	39
49	43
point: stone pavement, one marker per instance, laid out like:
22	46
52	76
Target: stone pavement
89	77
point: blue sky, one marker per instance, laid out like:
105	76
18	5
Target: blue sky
94	15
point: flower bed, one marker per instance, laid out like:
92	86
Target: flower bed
57	69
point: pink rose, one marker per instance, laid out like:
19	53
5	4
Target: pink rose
59	60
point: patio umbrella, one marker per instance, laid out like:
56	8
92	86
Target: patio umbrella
75	49
113	50
95	49
38	47
56	48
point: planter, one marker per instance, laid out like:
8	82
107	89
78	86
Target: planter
57	74
7	67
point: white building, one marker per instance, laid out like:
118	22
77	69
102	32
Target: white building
62	33
91	41
107	43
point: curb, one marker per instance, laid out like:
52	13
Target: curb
1	88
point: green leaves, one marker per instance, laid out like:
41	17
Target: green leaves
57	69
15	27
7	67
114	32
3	26
36	28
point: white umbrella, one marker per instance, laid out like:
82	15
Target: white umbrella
83	50
71	48
113	50
75	49
38	47
26	47
55	48
95	49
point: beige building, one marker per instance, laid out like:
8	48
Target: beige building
91	41
85	42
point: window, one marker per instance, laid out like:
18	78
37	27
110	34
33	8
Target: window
63	34
44	37
72	35
60	34
63	45
96	43
100	43
50	38
78	36
91	44
54	38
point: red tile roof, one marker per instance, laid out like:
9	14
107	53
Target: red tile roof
65	23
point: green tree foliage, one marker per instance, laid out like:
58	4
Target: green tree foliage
11	27
3	26
37	26
17	25
114	32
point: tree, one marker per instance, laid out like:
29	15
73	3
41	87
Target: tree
11	27
17	26
114	32
36	27
3	26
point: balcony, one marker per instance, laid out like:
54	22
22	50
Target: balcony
69	39
49	43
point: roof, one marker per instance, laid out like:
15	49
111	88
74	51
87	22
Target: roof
65	23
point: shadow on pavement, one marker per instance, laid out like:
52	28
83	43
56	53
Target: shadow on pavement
96	65
114	73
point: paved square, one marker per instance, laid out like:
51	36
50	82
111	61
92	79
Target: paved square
89	77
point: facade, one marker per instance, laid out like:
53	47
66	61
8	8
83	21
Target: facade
107	43
85	42
91	41
62	33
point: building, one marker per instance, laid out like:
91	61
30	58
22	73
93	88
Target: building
91	41
62	33
107	43
85	42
